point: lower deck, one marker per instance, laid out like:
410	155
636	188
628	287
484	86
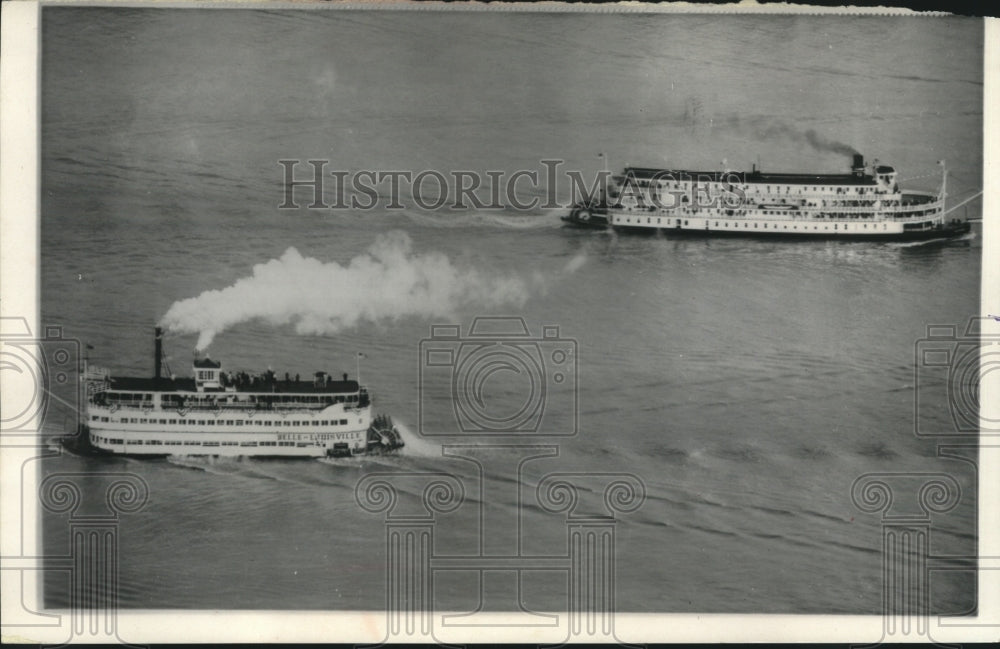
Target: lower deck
234	444
784	226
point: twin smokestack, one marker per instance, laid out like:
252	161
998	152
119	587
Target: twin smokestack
859	165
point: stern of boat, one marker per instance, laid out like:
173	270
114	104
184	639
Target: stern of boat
587	215
382	437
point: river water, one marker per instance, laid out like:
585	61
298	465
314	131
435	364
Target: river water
746	382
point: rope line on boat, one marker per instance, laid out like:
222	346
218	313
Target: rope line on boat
909	178
958	205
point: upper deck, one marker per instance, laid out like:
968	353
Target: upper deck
212	388
168	393
290	386
750	177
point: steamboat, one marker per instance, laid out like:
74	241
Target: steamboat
866	203
237	414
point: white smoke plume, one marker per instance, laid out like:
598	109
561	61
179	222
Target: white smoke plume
387	282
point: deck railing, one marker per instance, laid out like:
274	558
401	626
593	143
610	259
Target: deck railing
916	212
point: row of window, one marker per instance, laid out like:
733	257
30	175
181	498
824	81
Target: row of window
222	422
747	225
239	399
863	214
757	189
127	396
156	442
222	399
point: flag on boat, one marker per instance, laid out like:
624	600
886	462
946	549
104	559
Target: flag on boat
361	355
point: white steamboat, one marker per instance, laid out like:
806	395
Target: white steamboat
238	414
867	203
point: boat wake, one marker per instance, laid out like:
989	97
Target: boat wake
280	470
417	445
916	244
485	219
225	466
968	236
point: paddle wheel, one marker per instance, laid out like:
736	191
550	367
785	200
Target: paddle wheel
383	437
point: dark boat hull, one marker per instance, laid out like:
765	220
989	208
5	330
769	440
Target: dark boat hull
593	218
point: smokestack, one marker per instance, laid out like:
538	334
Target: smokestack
859	165
158	353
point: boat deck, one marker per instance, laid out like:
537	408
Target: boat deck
750	177
140	384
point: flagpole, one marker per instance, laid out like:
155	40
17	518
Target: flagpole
604	177
944	184
357	361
